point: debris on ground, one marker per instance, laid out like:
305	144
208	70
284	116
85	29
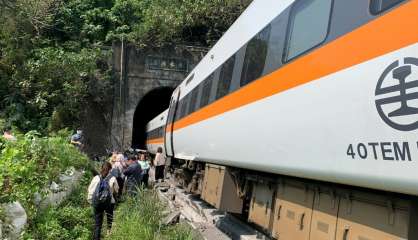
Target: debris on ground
210	223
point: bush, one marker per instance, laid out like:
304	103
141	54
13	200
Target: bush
29	164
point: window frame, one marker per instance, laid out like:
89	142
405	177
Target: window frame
221	69
246	65
290	22
194	93
178	111
385	9
186	105
208	80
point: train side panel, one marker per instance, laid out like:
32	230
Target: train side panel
331	128
155	132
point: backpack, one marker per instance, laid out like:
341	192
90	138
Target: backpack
102	194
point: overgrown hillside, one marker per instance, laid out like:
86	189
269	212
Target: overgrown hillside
53	64
29	166
52	56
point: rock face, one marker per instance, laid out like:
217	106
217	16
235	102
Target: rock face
16	217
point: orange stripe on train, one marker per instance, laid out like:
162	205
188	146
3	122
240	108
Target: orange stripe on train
378	37
155	141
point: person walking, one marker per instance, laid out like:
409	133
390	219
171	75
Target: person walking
151	172
133	175
159	162
117	172
145	169
101	192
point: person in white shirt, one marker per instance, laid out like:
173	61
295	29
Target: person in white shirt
107	208
145	168
159	163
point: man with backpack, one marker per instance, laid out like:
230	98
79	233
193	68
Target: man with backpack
101	192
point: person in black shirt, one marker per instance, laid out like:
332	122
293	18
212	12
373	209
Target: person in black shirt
133	175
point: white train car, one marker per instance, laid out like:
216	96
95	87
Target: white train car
155	132
308	99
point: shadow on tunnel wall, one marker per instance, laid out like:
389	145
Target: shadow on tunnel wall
152	104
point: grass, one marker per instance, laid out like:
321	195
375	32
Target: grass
141	217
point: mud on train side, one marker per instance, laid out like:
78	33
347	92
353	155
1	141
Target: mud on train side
303	118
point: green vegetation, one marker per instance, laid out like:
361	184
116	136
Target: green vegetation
53	59
29	164
72	220
52	56
141	218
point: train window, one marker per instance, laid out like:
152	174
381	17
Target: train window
178	111
378	6
308	26
193	99
255	56
170	111
207	86
225	77
184	107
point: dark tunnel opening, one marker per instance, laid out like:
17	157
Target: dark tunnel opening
152	104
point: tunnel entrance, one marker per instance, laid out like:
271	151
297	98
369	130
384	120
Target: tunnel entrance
152	104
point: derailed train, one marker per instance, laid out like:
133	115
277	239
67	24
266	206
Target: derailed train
303	118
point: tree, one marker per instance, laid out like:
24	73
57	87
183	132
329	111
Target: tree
39	13
49	48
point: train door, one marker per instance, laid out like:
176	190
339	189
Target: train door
169	126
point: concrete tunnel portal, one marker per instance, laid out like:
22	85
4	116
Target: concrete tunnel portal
152	104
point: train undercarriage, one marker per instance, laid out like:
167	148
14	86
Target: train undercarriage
288	208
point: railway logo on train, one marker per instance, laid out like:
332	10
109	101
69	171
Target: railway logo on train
397	94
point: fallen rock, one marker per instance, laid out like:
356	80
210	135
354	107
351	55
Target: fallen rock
16	216
63	191
172	218
54	187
